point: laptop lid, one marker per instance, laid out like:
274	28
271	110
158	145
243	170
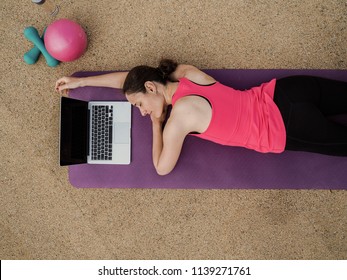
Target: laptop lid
74	125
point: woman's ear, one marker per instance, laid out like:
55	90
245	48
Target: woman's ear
150	87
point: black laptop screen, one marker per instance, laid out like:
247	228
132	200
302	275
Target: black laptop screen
73	131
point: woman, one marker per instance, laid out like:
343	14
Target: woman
286	114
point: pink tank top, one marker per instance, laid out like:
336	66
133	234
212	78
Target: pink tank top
248	118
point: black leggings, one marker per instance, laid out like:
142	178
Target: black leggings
307	105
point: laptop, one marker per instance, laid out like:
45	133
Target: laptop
94	132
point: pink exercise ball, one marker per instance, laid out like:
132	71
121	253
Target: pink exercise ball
65	40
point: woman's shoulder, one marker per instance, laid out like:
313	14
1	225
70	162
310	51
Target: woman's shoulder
182	104
193	74
188	105
191	113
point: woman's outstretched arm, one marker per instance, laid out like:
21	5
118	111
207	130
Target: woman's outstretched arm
112	80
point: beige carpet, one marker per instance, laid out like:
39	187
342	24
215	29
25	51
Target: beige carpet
43	217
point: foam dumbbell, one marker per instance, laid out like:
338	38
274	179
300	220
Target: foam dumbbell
32	55
33	36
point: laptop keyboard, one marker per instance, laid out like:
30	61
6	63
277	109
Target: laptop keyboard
102	118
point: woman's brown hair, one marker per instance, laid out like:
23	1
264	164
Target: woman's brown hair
136	78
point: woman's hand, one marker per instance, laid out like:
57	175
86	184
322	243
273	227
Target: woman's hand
111	80
65	83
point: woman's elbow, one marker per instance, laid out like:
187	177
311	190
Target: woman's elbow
162	171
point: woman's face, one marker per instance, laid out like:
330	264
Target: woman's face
148	103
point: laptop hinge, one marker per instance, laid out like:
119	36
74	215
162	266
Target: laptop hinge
88	132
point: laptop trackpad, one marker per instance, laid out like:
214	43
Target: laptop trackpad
122	133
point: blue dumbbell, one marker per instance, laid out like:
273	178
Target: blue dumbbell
33	36
32	55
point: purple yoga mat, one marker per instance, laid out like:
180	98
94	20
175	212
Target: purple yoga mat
205	165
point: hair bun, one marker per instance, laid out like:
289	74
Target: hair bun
166	67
